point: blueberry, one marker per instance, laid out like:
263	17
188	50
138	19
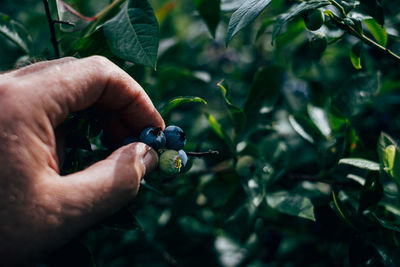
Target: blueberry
175	136
153	137
170	162
186	164
184	157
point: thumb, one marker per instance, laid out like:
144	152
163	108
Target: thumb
92	194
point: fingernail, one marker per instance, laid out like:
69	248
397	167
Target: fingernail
150	160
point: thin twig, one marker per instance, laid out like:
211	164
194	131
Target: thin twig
64	22
53	37
105	12
202	154
338	6
351	30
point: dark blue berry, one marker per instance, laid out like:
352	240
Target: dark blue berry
153	137
175	136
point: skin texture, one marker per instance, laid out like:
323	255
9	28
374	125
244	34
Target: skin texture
39	209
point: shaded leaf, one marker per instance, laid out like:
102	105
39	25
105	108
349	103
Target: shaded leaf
291	204
244	15
360	90
393	225
94	44
133	33
371	193
361	163
15	32
67	14
164	10
237	115
265	89
295	11
180	101
374	8
263	27
209	10
217	128
337	206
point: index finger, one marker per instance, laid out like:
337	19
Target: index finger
94	81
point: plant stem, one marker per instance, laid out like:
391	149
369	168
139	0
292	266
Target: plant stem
99	17
53	37
374	44
63	22
202	154
338	6
365	39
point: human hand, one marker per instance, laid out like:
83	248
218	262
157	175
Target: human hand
39	209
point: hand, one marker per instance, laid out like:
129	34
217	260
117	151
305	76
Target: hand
39	209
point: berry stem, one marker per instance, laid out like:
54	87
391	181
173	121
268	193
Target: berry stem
202	154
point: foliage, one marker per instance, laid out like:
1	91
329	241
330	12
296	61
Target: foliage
241	77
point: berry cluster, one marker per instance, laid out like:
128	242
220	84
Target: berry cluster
169	143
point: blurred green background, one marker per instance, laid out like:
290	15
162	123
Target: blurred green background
292	205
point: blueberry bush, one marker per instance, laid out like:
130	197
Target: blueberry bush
299	98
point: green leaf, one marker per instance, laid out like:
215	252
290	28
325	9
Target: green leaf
355	55
180	101
393	225
244	15
237	115
361	163
360	90
265	89
337	205
306	129
371	193
374	8
133	33
300	130
320	118
15	32
67	14
291	204
210	12
94	44
377	31
263	27
217	128
295	11
389	155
